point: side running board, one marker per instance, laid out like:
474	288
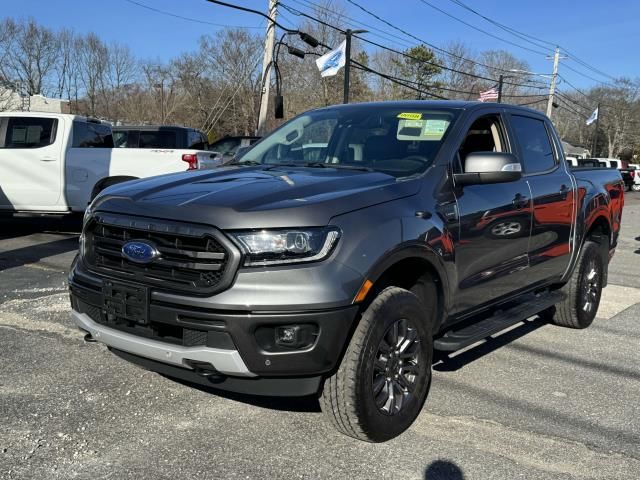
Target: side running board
454	340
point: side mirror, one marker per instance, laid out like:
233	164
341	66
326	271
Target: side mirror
489	167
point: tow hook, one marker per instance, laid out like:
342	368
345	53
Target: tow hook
205	369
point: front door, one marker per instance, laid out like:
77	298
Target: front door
494	224
30	162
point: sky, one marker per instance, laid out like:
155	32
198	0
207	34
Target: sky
604	34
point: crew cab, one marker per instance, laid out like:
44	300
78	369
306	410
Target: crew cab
159	136
336	270
56	163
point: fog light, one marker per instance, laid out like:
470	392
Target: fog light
288	335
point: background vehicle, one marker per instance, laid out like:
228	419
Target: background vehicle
636	177
591	162
159	136
416	226
56	163
228	146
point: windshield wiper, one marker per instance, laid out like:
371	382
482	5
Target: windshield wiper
319	165
251	163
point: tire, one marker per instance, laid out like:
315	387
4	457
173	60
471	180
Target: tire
583	290
635	187
348	398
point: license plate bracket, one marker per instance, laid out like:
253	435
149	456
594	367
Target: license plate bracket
126	302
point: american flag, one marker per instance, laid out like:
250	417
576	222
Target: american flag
491	94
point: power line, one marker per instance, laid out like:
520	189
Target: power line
531	103
589	77
535	40
481	30
512	31
384	34
251	10
188	19
574	87
404	54
446	52
566	98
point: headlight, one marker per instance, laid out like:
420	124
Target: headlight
273	247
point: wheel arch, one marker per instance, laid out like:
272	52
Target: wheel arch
403	268
107	182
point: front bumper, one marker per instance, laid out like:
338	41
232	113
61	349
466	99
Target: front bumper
224	361
226	342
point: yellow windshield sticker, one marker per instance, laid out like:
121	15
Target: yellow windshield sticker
410	116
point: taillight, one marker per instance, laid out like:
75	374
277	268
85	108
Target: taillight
633	173
191	159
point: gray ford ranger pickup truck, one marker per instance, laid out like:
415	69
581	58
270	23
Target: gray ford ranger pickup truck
345	247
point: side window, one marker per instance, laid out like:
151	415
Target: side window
121	138
532	135
92	135
27	132
196	140
162	139
486	134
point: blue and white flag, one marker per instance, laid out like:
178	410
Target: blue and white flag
330	63
593	117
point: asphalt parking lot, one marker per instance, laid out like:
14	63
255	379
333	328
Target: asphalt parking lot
537	402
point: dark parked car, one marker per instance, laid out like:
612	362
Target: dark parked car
159	136
229	145
343	248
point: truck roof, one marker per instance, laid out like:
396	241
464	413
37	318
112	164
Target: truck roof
52	114
408	104
152	127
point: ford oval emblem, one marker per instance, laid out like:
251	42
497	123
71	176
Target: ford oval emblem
140	251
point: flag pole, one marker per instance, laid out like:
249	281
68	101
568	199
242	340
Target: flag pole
595	135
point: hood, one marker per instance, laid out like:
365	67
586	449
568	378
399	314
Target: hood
255	197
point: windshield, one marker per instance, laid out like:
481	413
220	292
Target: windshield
396	141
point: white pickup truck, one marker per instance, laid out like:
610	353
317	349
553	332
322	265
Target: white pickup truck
57	163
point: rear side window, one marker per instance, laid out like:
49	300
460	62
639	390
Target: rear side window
157	139
27	132
92	135
125	138
196	140
537	152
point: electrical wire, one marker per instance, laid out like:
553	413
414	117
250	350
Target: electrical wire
434	47
536	41
251	10
189	19
481	30
384	34
294	11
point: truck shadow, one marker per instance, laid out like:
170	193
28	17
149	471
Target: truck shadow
442	362
450	362
63	230
308	404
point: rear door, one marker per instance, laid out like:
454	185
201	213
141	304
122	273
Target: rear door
553	192
491	249
88	160
31	162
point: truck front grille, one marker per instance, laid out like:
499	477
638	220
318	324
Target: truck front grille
193	258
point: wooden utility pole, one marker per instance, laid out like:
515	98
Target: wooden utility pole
267	60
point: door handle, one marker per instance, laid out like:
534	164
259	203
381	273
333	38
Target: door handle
520	201
564	191
47	158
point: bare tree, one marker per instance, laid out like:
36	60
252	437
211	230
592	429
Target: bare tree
30	55
93	58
